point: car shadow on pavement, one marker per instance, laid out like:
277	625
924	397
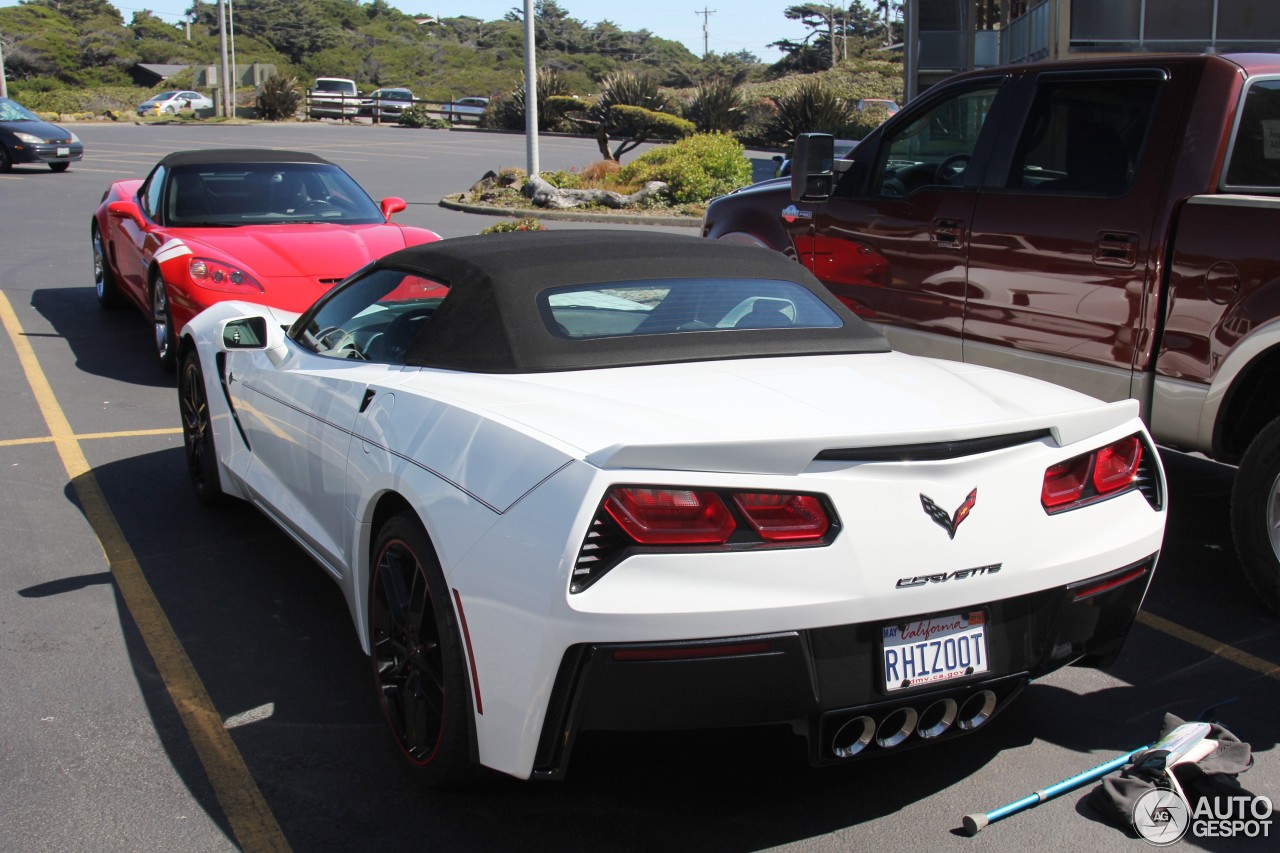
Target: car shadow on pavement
115	344
271	638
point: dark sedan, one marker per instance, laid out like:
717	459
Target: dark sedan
26	138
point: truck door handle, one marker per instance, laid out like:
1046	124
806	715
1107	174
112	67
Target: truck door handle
948	234
1116	249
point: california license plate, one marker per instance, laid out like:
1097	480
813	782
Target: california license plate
64	152
933	650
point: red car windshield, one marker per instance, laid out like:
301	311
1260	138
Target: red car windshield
230	194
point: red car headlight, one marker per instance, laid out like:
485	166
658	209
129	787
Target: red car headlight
215	275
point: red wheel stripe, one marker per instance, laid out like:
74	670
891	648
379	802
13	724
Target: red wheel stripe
471	657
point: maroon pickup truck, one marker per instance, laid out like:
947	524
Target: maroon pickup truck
1112	225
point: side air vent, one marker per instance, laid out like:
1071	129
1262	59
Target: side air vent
931	452
1148	481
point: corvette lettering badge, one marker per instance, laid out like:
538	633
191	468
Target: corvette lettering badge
949	523
791	213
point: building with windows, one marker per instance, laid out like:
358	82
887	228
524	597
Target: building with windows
946	36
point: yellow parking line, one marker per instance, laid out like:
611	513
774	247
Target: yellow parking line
254	826
1209	644
92	436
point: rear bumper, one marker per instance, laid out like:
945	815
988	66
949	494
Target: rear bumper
827	684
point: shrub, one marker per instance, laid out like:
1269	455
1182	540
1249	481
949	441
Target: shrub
278	98
718	106
506	112
64	101
813	107
528	223
419	115
695	169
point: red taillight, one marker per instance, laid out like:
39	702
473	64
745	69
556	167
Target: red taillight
1064	483
783	517
1117	465
1107	471
670	516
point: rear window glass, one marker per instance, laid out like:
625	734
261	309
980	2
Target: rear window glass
1255	151
623	309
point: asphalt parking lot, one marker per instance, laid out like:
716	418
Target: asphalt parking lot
187	680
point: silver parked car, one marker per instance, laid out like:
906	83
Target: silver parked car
465	110
173	102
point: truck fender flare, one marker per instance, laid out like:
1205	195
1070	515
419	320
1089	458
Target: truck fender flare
1249	351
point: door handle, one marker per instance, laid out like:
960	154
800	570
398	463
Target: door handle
948	234
1116	249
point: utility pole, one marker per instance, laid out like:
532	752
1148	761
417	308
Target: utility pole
530	95
225	75
231	41
4	87
706	17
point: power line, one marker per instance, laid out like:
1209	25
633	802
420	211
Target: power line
706	17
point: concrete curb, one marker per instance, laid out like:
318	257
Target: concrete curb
572	216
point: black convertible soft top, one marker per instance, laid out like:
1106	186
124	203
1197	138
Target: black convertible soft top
238	155
490	322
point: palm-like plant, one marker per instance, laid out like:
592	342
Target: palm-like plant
812	107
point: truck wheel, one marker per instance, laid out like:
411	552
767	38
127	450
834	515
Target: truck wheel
1255	514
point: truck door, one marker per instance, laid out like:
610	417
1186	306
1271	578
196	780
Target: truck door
1061	249
894	249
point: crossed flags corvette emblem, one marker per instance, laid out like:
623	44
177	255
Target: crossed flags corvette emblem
947	522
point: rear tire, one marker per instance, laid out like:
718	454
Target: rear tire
418	666
59	167
1255	514
197	433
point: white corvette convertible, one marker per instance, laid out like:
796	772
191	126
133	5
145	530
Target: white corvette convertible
575	481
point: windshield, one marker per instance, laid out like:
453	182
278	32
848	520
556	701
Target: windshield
228	194
341	86
14	111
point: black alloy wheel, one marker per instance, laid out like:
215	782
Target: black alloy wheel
197	433
418	665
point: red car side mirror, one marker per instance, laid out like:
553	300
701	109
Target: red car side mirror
126	210
390	205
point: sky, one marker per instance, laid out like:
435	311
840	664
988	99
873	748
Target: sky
733	25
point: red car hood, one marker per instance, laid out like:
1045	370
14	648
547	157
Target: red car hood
312	251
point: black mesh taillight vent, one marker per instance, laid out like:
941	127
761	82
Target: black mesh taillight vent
603	547
1149	482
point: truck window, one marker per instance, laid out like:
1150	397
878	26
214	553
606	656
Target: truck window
1255	151
934	150
1084	137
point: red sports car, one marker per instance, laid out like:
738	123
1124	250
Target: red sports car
275	227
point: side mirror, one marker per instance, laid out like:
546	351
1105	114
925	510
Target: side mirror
126	210
245	333
391	205
812	167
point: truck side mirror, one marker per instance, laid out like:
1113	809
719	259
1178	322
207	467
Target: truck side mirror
812	167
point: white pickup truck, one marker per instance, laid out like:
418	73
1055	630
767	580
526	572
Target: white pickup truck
333	97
